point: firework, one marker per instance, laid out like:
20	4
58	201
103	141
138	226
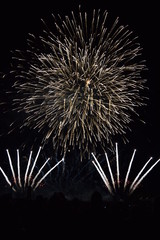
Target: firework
114	184
20	183
83	84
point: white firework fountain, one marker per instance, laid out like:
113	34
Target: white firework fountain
117	186
24	184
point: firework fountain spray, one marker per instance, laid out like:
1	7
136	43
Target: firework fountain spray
20	184
114	184
83	84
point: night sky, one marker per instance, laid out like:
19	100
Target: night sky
17	19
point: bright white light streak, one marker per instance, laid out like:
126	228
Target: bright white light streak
110	171
6	178
11	167
18	168
34	164
27	169
139	173
99	166
129	169
33	181
117	164
102	174
143	176
38	183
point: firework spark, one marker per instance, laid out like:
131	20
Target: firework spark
29	180
83	87
114	183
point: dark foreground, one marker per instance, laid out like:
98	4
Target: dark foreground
59	218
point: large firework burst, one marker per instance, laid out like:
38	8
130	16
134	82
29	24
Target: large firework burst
82	86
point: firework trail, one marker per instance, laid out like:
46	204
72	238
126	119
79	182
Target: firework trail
21	184
114	184
83	85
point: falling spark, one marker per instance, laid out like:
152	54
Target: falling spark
29	180
115	183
